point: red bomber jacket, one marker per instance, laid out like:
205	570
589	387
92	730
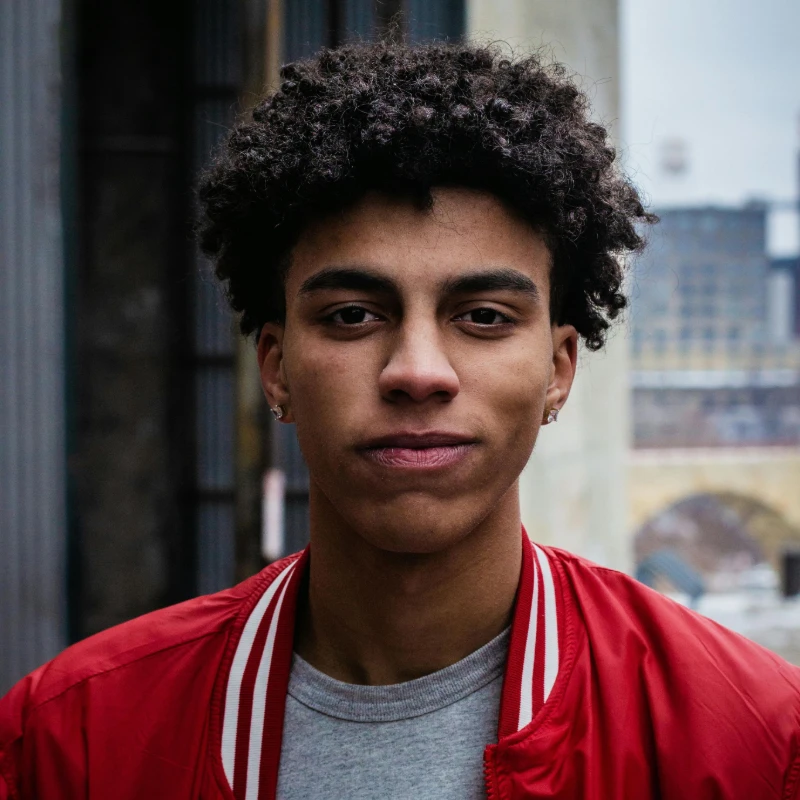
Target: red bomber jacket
610	691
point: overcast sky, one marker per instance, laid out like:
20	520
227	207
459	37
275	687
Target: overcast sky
722	76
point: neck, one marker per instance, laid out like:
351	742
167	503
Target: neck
369	616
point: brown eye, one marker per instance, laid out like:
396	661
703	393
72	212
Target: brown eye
352	315
485	316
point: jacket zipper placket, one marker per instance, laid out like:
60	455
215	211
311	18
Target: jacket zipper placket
490	774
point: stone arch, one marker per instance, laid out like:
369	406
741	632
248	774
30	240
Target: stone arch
719	534
659	478
770	528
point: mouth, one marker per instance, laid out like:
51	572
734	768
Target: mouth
419	451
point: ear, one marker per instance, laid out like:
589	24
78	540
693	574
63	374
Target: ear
565	360
271	368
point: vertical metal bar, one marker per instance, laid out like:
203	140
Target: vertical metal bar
306	28
435	19
32	417
219	53
359	20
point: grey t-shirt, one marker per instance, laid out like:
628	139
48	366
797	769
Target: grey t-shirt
420	739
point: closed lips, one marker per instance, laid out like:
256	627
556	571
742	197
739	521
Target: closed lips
419	440
419	451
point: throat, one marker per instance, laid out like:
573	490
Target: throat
391	618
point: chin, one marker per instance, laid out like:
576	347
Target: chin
410	542
421	529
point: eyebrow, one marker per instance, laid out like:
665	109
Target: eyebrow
492	280
363	280
353	279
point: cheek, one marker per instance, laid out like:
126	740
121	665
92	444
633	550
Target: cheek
514	401
511	387
326	383
520	409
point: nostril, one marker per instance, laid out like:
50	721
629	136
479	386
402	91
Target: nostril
417	386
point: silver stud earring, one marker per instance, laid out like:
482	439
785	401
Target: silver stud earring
552	416
277	411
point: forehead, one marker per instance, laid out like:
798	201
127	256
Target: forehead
464	230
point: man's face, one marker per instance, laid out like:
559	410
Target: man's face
417	361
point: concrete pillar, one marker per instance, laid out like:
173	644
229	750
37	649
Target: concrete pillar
573	490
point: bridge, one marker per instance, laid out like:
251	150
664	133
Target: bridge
769	476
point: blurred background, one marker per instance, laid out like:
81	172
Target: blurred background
137	464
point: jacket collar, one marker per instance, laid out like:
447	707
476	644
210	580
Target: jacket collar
249	704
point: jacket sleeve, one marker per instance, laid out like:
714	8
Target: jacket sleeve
791	789
18	734
5	793
8	777
12	716
42	743
791	785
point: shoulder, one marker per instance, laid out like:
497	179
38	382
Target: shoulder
689	667
656	695
607	598
167	629
181	644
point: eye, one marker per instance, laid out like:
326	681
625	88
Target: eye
484	316
352	315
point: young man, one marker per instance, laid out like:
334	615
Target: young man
418	237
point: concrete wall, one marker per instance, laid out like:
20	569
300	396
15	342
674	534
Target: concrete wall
574	488
584	34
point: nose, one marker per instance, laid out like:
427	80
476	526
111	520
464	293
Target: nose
418	367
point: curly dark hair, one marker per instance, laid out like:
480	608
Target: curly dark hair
402	118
